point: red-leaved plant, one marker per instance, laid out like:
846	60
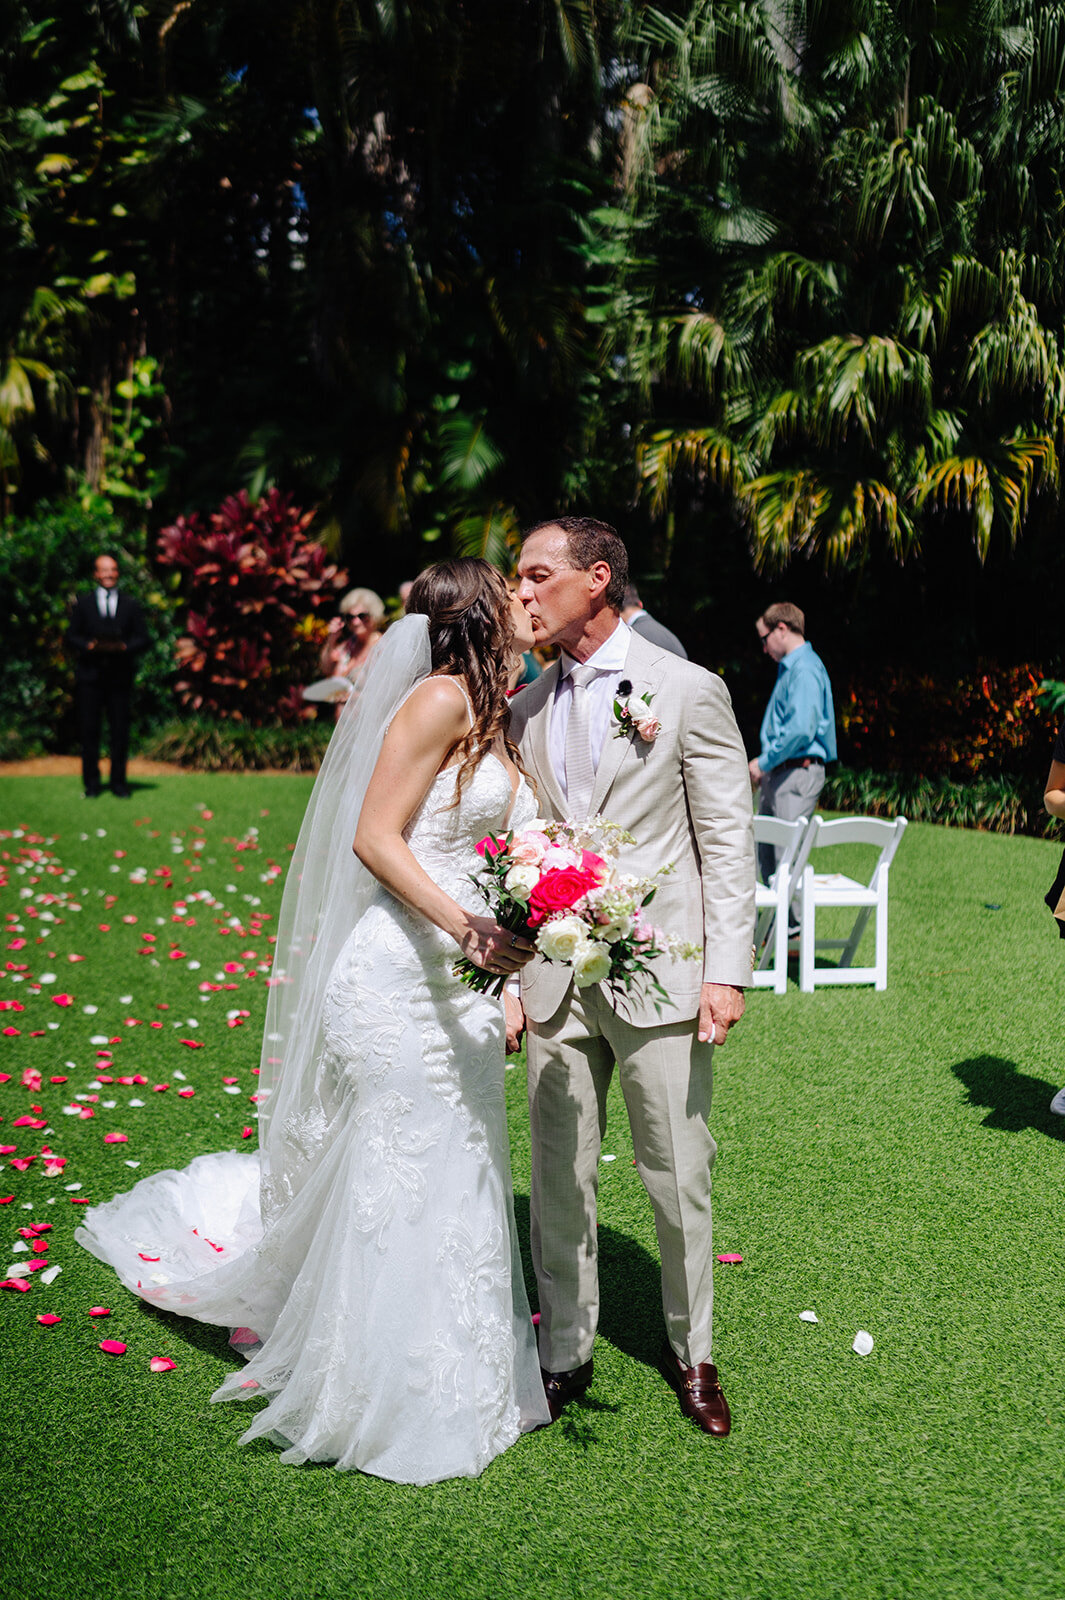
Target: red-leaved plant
259	594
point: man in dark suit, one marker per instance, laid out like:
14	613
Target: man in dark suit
107	634
633	613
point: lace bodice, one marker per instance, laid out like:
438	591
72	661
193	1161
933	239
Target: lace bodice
444	837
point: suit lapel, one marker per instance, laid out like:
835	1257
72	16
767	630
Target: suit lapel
643	671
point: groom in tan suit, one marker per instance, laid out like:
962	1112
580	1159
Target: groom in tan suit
686	796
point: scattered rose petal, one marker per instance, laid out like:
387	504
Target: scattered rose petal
112	1347
51	1275
116	1138
99	1311
160	1088
808	1316
246	1133
186	1094
62	999
162	1364
863	1343
48	1319
18	1284
194	1044
730	1259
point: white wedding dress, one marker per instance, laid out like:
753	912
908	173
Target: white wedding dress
382	1309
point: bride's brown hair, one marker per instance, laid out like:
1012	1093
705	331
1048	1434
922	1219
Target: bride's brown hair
471	636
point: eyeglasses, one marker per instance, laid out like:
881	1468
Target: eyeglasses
764	638
359	616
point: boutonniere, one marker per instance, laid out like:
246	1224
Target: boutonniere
634	715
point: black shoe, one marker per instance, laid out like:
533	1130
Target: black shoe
121	794
562	1387
92	794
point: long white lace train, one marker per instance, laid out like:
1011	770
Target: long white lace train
382	1311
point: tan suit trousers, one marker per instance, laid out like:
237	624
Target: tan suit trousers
667	1079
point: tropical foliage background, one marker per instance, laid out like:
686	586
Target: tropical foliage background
775	285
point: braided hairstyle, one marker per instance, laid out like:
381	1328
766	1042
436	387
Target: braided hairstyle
471	636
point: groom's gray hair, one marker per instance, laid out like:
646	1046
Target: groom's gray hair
588	541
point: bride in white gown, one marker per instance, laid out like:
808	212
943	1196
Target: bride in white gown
365	1256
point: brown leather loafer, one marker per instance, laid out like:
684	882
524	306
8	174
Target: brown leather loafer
701	1395
562	1387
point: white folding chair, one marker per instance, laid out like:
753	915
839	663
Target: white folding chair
772	900
827	889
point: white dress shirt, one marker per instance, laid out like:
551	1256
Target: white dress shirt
609	664
107	601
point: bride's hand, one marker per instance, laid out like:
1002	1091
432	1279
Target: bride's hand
494	948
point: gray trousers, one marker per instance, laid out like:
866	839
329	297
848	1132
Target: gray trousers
667	1079
789	793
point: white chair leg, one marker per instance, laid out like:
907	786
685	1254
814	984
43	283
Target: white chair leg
850	949
881	936
807	934
780	934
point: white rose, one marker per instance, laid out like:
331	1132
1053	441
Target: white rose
591	964
560	940
520	881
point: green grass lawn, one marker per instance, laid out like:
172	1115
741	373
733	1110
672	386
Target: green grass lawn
886	1160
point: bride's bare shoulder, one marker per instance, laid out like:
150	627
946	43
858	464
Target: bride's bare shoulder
437	702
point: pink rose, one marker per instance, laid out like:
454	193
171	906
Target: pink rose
594	864
558	858
648	728
490	846
559	890
529	849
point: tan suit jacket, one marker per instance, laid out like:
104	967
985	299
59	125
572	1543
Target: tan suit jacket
686	798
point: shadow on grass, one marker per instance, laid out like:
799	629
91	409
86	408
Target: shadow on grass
630	1289
1015	1100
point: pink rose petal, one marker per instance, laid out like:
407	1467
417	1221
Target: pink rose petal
62	999
116	1138
162	1364
186	1094
99	1311
112	1347
49	1319
246	1133
728	1260
19	1284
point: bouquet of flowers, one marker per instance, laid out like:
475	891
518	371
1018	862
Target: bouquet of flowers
571	901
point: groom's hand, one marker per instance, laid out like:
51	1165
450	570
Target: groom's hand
515	1019
720	1006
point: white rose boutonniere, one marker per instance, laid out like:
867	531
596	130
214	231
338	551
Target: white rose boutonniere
634	715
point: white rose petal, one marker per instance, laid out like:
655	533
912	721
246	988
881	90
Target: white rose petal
520	881
591	965
808	1316
50	1274
863	1343
560	940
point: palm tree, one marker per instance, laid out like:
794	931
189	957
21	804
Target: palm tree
849	295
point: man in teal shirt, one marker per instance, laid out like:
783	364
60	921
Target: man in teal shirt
798	731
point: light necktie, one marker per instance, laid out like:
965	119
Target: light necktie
580	768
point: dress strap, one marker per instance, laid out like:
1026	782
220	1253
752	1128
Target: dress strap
459	685
466	696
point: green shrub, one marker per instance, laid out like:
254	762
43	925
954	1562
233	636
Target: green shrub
258	592
213	746
999	804
44	561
